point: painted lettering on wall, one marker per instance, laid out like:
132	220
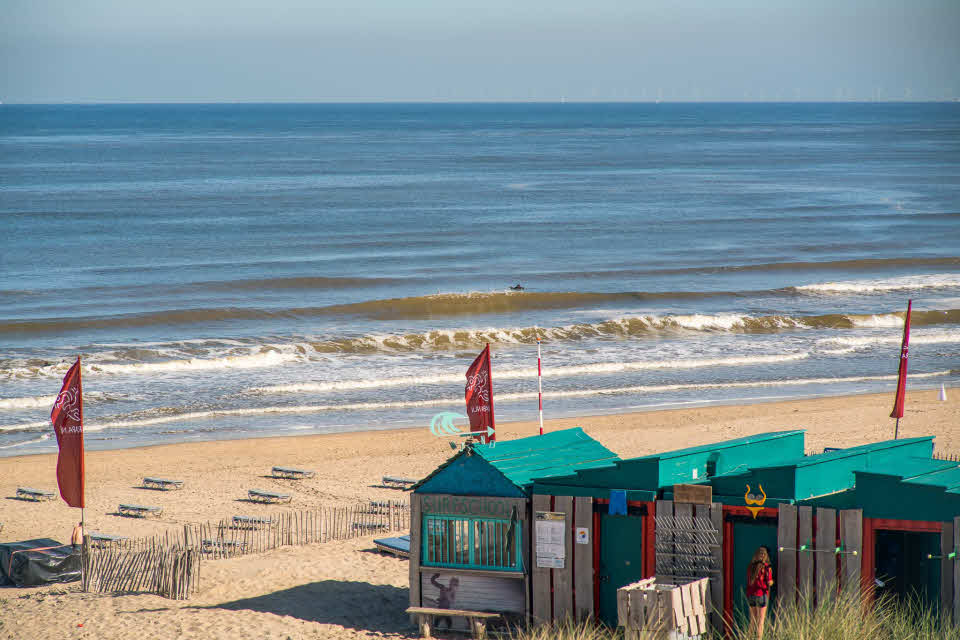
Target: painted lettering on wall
467	505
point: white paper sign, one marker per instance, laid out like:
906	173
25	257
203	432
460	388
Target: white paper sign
551	550
583	535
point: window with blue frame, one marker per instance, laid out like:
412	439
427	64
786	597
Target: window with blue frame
471	543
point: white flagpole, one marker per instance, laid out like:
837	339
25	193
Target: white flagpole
539	384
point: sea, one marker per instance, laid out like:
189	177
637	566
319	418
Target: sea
246	270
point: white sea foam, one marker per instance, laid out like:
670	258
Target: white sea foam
454	401
548	372
31	402
932	281
849	344
269	358
45	436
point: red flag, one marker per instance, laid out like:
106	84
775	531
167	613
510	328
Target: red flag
67	418
902	374
479	395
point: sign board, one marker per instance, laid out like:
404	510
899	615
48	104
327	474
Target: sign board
583	535
693	493
550	529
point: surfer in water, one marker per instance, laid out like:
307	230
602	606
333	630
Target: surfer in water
517	287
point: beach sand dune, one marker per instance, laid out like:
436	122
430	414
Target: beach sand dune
341	589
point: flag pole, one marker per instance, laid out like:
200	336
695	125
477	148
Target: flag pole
539	383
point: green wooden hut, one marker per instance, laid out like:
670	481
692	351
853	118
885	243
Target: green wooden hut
471	520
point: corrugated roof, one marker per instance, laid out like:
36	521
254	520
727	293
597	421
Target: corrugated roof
556	453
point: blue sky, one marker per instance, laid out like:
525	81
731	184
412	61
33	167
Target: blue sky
434	50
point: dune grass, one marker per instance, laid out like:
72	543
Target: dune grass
841	618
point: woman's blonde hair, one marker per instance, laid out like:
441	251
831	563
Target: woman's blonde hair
760	559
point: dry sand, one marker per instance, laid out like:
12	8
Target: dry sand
342	589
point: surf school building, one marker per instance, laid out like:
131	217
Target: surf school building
539	535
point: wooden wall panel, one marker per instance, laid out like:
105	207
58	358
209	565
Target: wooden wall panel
716	579
583	559
415	523
826	559
851	539
787	554
563	578
805	558
956	571
664	510
946	568
541	594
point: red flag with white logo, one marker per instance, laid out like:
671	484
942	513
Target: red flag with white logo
902	375
479	395
67	418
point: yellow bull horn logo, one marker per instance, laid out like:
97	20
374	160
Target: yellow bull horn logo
755	501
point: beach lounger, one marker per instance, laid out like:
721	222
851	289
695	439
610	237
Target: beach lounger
256	495
138	511
101	540
369	526
37	495
291	474
398	546
162	484
209	546
397	483
250	522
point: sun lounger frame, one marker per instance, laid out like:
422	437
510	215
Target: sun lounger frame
101	540
37	495
250	522
268	497
139	511
397	483
384	546
209	546
162	484
291	474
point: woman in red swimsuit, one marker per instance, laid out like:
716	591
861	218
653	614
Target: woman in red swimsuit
759	581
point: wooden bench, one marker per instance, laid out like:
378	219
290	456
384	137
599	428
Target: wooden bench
37	495
291	474
477	619
397	483
162	484
250	522
256	495
138	511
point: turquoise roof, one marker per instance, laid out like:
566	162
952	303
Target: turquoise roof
517	462
945	478
643	477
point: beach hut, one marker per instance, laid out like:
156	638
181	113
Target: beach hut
471	522
881	515
627	531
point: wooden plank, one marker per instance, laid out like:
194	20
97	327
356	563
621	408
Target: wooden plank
805	558
826	559
664	510
583	558
563	578
851	540
692	493
956	571
946	568
540	592
787	554
416	522
716	579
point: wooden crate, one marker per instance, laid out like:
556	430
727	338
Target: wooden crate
671	611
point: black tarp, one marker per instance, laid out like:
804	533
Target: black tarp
32	563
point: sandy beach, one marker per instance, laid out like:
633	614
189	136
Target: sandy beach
342	589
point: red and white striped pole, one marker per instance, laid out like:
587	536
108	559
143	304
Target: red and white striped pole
539	384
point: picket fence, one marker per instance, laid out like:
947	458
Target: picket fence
169	564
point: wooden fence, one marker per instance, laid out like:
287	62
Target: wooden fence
169	564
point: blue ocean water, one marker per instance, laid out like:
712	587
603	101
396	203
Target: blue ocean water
240	270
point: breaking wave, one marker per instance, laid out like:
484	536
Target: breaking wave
171	415
906	283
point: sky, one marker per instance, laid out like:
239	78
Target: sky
497	50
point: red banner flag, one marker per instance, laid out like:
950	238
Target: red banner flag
902	374
67	418
479	395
